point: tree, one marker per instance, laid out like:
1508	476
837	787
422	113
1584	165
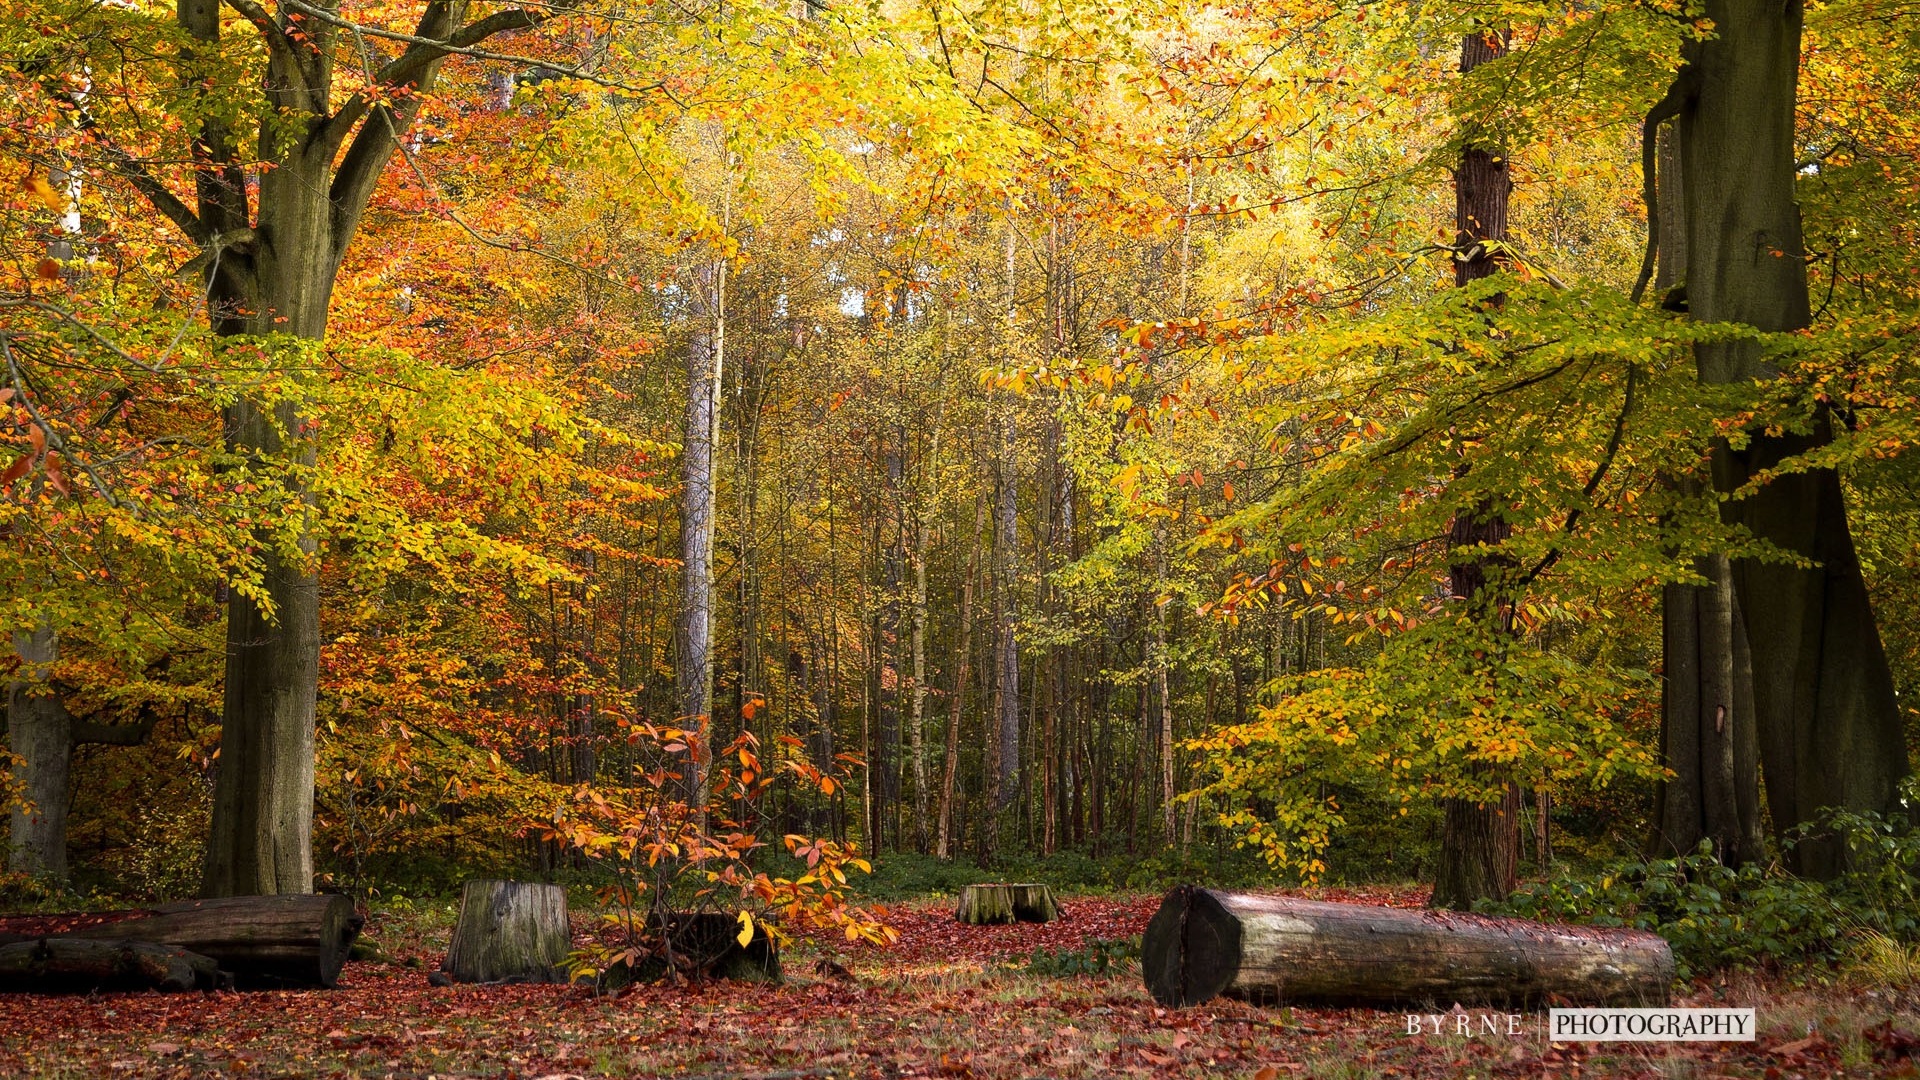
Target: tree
1829	728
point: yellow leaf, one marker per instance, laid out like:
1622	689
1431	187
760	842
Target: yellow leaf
44	192
746	928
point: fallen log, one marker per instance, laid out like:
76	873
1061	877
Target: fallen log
509	931
80	966
261	940
981	905
1202	944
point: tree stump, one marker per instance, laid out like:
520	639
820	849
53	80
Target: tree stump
509	931
1203	943
698	945
81	966
981	905
263	940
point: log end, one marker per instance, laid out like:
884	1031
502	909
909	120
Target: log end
1191	950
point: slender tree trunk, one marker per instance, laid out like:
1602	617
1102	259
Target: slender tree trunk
693	662
963	653
1160	665
1829	727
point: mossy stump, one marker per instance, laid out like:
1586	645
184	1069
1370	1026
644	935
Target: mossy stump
509	931
984	905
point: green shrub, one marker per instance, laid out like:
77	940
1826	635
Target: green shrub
1098	956
1719	917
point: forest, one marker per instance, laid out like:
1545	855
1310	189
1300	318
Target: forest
769	465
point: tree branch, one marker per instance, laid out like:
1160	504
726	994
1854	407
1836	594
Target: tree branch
1664	109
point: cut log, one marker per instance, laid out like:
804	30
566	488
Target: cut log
981	905
80	966
510	931
261	940
1203	943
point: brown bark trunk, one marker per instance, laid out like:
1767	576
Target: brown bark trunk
1479	844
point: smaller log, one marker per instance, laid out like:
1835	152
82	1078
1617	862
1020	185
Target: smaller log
294	940
1202	944
982	905
509	931
65	965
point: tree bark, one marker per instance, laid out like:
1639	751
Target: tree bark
693	659
271	276
963	654
37	729
297	940
1479	844
982	905
1202	944
1828	725
79	966
509	931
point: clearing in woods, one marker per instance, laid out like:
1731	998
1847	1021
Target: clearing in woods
947	1001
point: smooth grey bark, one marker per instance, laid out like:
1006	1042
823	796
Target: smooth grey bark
693	659
38	733
1006	540
1707	733
1829	729
44	733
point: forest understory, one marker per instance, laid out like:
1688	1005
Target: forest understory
946	1001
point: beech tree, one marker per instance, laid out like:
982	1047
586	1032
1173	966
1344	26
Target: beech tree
1829	728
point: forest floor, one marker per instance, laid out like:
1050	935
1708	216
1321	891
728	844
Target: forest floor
947	1001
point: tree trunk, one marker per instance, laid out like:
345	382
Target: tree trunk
693	660
1006	541
509	931
1829	728
1479	844
963	654
37	728
274	280
1202	944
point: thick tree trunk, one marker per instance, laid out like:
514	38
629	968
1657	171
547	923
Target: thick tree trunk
274	281
1829	727
38	731
1202	944
509	931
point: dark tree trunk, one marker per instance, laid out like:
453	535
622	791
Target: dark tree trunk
1829	728
1479	844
